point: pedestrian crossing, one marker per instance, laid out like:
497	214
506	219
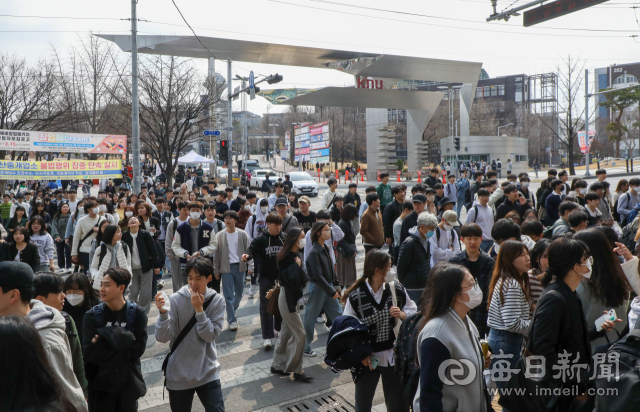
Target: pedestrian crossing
245	364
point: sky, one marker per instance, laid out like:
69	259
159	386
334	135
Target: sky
450	29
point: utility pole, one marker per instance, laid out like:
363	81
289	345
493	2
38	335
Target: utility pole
213	85
229	124
586	119
135	109
244	119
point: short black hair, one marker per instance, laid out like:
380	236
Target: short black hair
352	185
532	227
601	172
484	184
512	176
510	188
562	173
323	215
553	172
230	189
332	181
577	217
194	205
383	175
591	196
396	189
580	184
251	195
274	218
370	189
438	186
491	174
505	229
243	190
371	197
406	206
596	186
231	213
478	174
483	192
634	181
471	230
120	276
47	282
555	183
566	206
201	265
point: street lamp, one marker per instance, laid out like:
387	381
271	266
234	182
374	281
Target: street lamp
274	144
506	125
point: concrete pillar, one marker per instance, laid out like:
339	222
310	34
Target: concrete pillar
376	118
467	92
416	123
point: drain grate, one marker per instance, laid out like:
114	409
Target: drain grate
329	402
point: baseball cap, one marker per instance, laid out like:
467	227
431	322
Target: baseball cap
304	199
419	198
451	218
15	274
445	201
281	201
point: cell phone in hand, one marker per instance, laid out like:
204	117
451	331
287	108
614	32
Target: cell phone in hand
609	316
374	362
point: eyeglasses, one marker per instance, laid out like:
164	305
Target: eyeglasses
589	261
474	286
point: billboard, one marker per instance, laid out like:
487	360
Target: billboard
320	149
555	9
582	141
61	170
35	141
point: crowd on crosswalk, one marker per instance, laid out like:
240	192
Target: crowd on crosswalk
526	275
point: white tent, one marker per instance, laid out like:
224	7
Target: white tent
193	157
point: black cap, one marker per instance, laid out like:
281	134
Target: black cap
445	201
419	198
15	274
281	201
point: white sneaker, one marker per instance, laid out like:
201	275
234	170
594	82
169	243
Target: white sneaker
267	344
320	319
233	326
276	333
252	290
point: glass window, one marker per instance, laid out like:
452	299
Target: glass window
494	91
518	92
501	90
478	92
521	158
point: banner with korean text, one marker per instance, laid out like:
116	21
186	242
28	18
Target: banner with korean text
61	170
36	141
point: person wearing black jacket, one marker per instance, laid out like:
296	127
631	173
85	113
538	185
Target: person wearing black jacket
144	263
514	201
347	250
432	180
419	203
324	287
559	323
78	284
266	248
290	346
392	212
147	221
414	260
336	209
28	251
352	196
114	338
235	204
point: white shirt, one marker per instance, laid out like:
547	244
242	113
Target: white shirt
73	205
232	242
385	357
440	251
189	184
135	255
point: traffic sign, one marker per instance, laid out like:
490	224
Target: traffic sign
212	132
235	92
252	85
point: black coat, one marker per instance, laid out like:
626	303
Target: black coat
293	278
334	212
347	245
391	212
410	221
320	268
353	199
29	254
155	222
507	207
414	263
146	249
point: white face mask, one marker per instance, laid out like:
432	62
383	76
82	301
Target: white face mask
475	297
582	191
586	275
95	210
81	209
632	188
264	210
195	215
389	277
431	198
247	207
242	197
302	243
496	248
447	227
128	214
75	300
525	184
102	208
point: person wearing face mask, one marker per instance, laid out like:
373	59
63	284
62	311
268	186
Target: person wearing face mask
242	195
529	196
559	320
244	214
85	231
381	303
110	254
80	297
449	334
446	242
627	201
580	188
509	311
414	260
256	225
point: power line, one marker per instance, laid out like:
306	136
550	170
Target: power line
440	25
61	17
448	18
192	31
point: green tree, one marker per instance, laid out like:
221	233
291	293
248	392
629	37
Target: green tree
619	101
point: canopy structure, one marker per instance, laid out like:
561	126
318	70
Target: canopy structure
193	157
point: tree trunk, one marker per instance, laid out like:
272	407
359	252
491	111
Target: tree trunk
572	170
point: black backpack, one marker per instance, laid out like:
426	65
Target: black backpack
103	251
616	215
628	237
405	351
620	390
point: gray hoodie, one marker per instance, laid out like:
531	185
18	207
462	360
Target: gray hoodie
50	325
414	232
195	361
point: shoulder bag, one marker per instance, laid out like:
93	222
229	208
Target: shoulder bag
272	301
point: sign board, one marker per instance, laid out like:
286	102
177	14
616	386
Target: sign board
252	85
319	142
235	92
555	9
212	132
62	170
262	136
35	141
582	141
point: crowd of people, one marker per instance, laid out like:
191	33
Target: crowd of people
525	274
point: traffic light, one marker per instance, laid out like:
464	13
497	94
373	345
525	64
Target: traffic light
457	143
224	150
248	91
277	78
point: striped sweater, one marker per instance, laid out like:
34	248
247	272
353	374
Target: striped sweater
513	314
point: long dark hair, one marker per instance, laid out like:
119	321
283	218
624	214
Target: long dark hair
40	220
293	203
27	381
316	230
375	259
349	212
289	241
608	281
80	281
536	253
78	205
59	210
504	269
445	282
564	253
109	232
100	235
14	219
34	210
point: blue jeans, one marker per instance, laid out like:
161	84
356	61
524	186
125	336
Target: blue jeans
210	395
459	205
232	287
510	343
486	244
318	300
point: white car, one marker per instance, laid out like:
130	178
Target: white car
303	184
258	176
